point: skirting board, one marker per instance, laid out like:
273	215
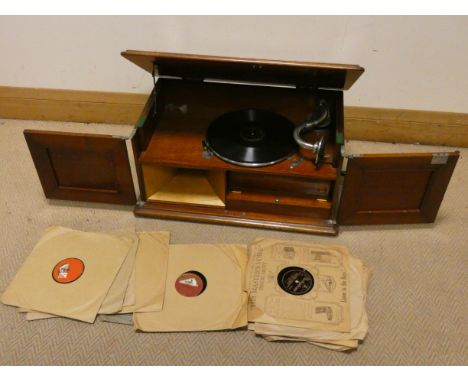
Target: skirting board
361	123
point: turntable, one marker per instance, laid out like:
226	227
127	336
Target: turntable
257	143
251	138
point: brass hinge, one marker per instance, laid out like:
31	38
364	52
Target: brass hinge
346	158
439	158
125	137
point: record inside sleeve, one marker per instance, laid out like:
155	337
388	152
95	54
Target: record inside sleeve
191	284
69	273
295	280
204	290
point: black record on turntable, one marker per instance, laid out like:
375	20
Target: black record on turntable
251	137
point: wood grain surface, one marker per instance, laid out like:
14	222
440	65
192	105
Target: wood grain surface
361	123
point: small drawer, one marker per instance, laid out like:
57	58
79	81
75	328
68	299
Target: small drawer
281	185
278	204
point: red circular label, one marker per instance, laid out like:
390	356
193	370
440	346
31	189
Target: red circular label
190	284
68	270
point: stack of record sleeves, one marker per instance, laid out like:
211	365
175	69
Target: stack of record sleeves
307	292
282	290
132	278
81	275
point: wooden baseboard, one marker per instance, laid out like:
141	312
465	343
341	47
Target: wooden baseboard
406	126
361	123
70	105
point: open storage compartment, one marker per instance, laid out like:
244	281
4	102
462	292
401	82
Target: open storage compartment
185	186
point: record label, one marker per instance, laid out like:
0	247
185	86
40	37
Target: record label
295	280
190	284
68	270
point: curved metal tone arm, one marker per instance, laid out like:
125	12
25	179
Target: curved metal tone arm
322	120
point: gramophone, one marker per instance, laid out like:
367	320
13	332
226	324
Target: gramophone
250	142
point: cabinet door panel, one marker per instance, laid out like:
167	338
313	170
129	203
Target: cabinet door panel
395	188
84	167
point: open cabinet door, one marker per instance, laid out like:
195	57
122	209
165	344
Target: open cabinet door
395	188
84	167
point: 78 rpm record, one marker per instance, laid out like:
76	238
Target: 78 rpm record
204	290
307	285
191	284
69	273
251	137
296	280
68	270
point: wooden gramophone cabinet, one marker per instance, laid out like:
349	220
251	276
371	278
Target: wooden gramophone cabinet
179	179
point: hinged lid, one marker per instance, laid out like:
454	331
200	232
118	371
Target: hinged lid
310	74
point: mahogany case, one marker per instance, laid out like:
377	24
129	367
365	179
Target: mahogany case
178	179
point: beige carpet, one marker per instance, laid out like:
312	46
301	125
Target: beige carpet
417	300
